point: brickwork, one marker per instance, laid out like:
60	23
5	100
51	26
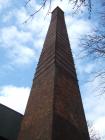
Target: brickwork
54	110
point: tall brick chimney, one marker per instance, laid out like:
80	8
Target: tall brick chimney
54	110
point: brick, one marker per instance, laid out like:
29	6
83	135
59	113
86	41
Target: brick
55	110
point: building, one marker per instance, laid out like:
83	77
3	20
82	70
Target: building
55	110
10	121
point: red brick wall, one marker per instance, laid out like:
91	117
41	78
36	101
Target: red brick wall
54	110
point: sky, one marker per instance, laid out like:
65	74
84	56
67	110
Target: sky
20	47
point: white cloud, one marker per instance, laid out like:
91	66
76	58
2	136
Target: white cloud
21	15
89	67
4	3
11	35
85	68
100	126
94	105
80	26
64	5
21	55
16	46
14	97
7	17
77	28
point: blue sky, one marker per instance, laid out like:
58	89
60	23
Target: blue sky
20	48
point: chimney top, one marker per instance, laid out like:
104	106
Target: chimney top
57	10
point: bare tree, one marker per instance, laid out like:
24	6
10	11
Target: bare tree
93	133
93	47
94	43
76	6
